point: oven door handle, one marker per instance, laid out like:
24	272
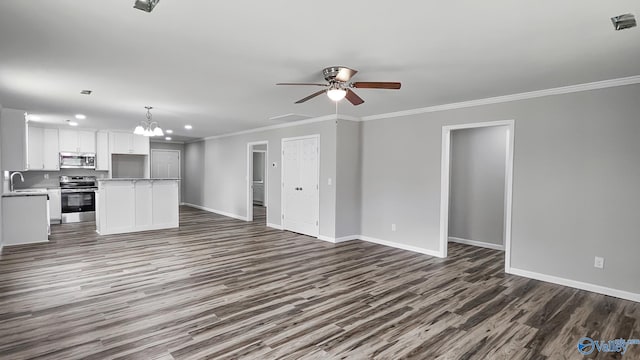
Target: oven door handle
76	191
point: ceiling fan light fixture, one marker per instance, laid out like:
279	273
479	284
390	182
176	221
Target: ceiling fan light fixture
336	94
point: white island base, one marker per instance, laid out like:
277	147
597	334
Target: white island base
130	205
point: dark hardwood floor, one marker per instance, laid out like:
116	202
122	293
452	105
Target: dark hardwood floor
259	214
219	288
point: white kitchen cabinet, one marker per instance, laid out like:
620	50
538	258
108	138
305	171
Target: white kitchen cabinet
24	219
127	143
129	205
51	149
35	148
13	139
140	144
83	141
42	149
102	151
86	141
68	140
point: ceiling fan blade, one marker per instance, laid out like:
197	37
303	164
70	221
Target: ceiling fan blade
345	74
353	97
376	85
313	84
311	96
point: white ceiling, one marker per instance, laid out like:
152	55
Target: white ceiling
213	64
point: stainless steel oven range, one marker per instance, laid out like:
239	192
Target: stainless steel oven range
78	198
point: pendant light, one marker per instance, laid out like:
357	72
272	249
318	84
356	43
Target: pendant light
148	127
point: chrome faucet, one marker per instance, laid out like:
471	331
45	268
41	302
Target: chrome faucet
11	180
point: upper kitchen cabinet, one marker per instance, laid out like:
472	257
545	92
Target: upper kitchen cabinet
128	143
42	149
102	151
82	141
13	139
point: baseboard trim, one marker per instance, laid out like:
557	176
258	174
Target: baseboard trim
576	284
223	213
401	246
327	238
347	238
476	243
275	226
338	240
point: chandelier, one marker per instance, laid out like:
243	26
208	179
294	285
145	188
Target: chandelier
148	127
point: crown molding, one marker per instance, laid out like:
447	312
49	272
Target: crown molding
514	97
280	126
631	80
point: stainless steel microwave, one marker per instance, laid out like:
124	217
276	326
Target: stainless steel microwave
77	160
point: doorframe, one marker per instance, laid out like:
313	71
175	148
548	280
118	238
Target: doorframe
250	178
314	136
167	150
445	178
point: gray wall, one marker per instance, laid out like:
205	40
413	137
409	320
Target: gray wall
476	202
575	184
216	172
348	178
173	146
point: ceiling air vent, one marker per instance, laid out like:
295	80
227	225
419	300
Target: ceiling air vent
146	5
622	22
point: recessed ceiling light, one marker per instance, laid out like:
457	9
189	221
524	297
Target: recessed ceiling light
72	123
86	92
168	138
80	116
169	131
33	117
188	127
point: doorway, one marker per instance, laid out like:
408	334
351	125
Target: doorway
473	193
257	181
300	184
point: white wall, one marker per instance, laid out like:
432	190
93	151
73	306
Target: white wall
575	184
477	182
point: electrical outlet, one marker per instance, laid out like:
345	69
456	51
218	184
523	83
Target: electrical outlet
46	176
599	262
393	227
329	182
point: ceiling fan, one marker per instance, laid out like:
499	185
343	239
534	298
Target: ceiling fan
338	86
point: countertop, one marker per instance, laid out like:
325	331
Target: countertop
137	179
26	192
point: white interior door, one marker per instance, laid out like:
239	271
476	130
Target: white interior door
300	185
165	164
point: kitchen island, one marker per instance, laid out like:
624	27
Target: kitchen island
130	205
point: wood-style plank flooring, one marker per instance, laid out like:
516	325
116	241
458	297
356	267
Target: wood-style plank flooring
219	288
